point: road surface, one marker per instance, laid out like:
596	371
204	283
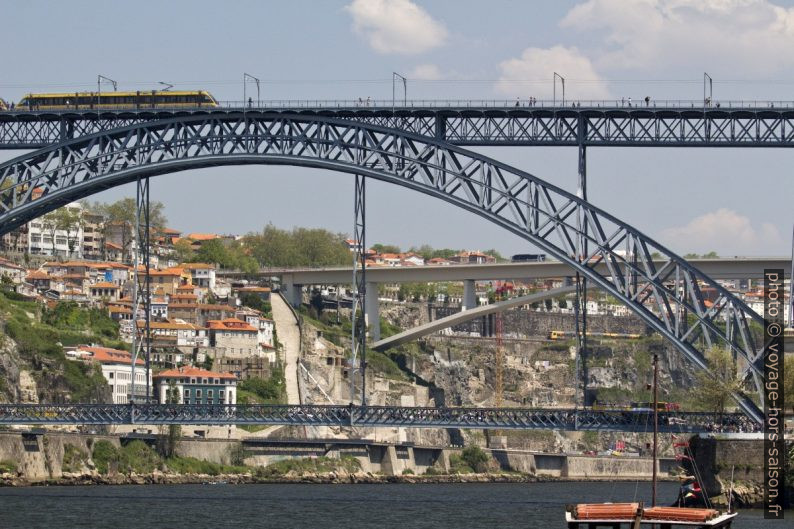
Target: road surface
289	336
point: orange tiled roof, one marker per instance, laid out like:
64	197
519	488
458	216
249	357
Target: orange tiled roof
189	371
230	324
202	236
38	274
106	355
196	266
104	284
167	325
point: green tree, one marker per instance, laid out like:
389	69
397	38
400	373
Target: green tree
174	430
184	251
386	248
298	247
495	254
122	214
717	387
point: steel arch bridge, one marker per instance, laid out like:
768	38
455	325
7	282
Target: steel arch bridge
658	285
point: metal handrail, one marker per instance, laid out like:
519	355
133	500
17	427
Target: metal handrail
383	104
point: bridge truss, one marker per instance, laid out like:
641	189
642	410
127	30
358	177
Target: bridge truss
658	285
373	416
462	125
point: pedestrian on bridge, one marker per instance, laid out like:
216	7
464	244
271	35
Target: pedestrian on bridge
647	101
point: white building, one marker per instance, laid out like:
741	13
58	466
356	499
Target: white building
202	274
117	370
45	239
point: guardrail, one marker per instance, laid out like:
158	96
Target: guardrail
388	104
375	416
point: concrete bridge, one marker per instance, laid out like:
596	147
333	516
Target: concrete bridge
294	279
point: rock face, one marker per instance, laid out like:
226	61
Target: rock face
729	467
9	370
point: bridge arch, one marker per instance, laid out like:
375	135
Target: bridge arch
658	285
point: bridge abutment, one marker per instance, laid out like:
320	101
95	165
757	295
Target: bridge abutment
292	292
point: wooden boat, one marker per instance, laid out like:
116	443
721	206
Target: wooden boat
635	515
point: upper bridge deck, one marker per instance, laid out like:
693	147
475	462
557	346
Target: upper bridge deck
671	123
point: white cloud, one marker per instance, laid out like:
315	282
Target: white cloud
531	74
750	36
727	233
396	26
425	72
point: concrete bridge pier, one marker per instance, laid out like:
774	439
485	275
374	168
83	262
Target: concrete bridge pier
292	293
469	295
372	314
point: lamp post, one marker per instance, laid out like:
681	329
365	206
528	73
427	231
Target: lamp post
246	77
99	79
554	81
394	78
707	99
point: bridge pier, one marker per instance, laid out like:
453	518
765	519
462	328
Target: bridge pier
469	295
372	311
292	292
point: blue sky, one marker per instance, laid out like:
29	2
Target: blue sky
737	202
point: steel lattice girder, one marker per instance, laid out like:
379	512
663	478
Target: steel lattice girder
472	126
668	296
317	415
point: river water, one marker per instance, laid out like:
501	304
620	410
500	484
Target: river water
502	506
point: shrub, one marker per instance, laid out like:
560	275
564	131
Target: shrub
105	456
476	458
310	465
458	466
408	472
136	457
74	459
8	467
270	391
191	465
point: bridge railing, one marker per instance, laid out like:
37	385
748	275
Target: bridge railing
524	103
374	416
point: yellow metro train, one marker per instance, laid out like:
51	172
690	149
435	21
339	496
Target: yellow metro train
117	100
557	335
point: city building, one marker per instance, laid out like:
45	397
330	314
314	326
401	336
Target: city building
47	237
117	370
202	274
231	336
192	385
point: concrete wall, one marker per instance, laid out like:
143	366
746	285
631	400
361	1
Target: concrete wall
40	457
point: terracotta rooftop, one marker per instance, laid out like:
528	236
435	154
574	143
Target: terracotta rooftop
105	284
230	324
106	355
202	236
189	371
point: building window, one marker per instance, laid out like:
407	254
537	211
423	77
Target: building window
198	396
187	396
209	395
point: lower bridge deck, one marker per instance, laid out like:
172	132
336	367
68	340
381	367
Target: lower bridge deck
374	416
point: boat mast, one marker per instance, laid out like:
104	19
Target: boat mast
655	425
